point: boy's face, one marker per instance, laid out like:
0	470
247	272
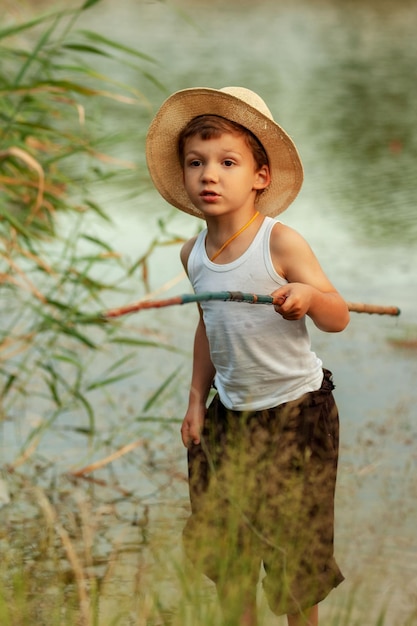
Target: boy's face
220	174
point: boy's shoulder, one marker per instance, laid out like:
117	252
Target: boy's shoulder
186	251
289	250
283	236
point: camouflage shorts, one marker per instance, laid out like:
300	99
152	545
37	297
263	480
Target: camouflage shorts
262	490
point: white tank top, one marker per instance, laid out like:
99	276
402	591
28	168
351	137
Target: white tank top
261	359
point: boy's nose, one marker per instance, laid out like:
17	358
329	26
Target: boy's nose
209	173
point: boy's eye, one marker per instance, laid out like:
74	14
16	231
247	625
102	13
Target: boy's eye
194	163
228	162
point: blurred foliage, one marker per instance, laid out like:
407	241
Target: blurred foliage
52	129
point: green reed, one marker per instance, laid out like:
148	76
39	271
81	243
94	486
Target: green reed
55	273
74	554
59	361
87	548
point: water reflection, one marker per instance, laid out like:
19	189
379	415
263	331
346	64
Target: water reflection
371	149
340	76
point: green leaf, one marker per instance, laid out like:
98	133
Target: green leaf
112	379
159	419
62	306
119	363
8	385
95	207
117	46
68	85
131	341
50	322
99	242
80	337
67	359
13	30
79	47
89	3
160	390
43	40
51	383
13	221
74	391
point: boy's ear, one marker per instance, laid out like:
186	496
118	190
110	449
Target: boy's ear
262	178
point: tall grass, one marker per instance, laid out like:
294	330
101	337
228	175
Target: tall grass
53	107
58	360
82	546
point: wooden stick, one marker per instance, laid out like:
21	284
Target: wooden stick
361	307
234	296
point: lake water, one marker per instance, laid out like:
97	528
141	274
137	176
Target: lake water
342	80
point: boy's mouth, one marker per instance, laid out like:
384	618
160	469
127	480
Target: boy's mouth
208	194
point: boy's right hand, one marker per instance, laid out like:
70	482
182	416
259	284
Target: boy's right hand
192	426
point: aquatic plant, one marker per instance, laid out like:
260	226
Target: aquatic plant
81	542
58	361
54	151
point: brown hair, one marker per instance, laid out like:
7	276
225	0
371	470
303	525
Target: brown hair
212	126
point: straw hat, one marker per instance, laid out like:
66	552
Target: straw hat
233	103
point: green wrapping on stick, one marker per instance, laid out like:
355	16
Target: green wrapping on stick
235	296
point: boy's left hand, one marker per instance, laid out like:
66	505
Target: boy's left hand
293	300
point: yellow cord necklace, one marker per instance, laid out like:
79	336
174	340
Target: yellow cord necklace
226	243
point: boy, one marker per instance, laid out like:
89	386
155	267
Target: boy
263	457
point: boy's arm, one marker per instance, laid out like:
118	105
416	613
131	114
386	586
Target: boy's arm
201	380
309	291
202	373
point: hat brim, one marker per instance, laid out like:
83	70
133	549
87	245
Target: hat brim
180	108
